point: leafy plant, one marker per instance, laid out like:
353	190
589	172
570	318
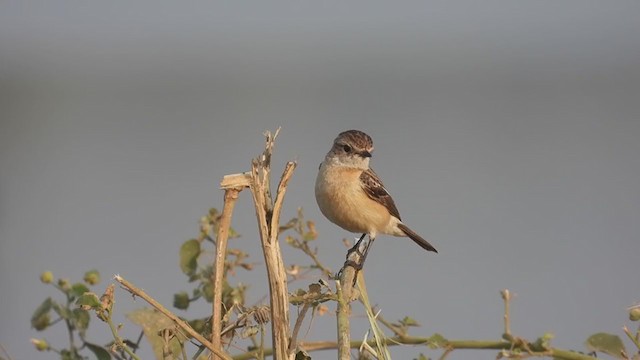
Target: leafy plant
75	319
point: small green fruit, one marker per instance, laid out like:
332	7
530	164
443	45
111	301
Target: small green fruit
46	277
92	277
40	344
64	284
634	314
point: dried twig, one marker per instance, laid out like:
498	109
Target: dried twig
181	323
296	328
4	351
506	296
232	186
268	215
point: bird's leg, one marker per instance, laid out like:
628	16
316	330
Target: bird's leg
361	255
366	250
354	264
356	247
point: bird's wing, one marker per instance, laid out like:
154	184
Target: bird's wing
374	188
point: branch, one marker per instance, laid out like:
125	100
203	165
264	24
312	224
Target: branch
296	328
268	215
433	342
181	323
6	354
232	186
230	197
344	289
506	296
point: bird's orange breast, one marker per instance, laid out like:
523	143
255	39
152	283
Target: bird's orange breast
342	200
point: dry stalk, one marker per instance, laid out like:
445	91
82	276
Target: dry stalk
268	215
506	296
346	294
232	185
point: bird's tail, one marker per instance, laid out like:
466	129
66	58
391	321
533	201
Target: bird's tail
417	238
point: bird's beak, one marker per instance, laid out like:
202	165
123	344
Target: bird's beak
365	154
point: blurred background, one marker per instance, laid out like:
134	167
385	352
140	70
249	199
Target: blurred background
507	132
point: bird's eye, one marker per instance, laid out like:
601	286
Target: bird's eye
346	148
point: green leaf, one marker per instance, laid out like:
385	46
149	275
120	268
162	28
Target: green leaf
89	300
181	300
309	236
100	352
67	355
544	341
237	294
233	234
437	341
407	321
189	252
70	355
607	343
151	322
300	292
63	311
207	292
78	289
199	325
40	318
196	293
81	318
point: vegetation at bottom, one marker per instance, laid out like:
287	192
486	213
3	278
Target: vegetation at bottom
238	331
243	326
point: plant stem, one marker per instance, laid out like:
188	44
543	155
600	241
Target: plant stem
448	346
230	197
343	322
118	339
634	339
181	323
506	296
268	216
296	327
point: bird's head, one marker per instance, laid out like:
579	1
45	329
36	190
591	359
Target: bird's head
352	148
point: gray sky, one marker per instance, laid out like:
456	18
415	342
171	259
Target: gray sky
507	133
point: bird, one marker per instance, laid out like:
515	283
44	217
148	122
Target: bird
351	195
